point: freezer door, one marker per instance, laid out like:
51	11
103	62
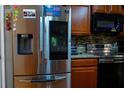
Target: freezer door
43	81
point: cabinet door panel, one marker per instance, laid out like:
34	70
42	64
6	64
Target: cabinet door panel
107	9
84	62
115	9
80	20
100	8
84	77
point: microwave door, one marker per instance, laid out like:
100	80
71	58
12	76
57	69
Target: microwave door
102	22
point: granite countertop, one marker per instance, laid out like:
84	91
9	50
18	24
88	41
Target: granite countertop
84	56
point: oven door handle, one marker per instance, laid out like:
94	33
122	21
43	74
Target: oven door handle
118	61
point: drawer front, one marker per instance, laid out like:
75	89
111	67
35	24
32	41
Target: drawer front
34	82
84	62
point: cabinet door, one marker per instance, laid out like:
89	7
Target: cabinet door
122	9
100	8
84	77
115	9
81	20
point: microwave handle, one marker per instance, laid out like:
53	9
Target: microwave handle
117	26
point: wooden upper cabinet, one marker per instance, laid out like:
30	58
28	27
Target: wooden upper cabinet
115	9
81	20
107	9
100	8
122	9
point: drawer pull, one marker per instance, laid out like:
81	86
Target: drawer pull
25	80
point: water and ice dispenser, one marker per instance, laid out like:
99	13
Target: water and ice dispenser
24	44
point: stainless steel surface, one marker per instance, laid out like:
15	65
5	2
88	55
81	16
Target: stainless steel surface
42	79
44	66
27	26
47	66
2	48
0	52
118	56
45	81
112	59
69	50
102	49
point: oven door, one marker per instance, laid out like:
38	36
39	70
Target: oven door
111	74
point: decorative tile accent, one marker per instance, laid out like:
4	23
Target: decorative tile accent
100	38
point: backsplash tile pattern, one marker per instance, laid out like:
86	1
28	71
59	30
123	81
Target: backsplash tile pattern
94	39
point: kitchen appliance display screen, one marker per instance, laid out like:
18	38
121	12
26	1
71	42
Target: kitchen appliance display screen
58	40
53	10
108	24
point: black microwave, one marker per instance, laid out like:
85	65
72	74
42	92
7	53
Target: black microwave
102	22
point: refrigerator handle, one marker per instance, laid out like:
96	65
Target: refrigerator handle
60	77
35	81
41	80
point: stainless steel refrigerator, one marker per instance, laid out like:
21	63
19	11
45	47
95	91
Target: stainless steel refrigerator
38	52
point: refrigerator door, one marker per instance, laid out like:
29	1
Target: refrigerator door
54	67
2	49
56	57
42	81
25	42
58	40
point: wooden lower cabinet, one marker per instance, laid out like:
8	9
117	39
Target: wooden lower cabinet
84	76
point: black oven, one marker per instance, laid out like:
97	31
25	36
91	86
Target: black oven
111	72
102	22
120	43
111	68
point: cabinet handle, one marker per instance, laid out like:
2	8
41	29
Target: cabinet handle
25	81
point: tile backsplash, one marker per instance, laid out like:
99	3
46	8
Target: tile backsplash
94	39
